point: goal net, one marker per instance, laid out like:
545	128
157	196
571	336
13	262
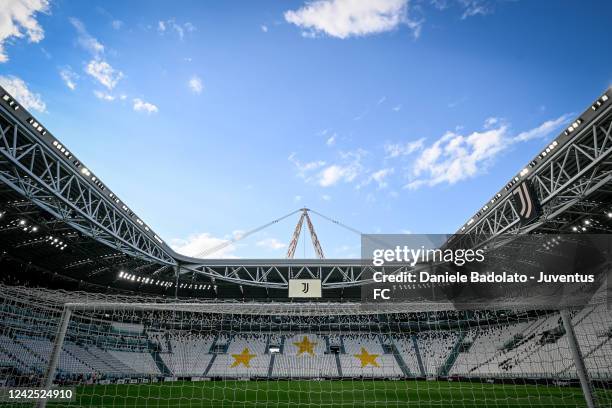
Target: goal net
141	352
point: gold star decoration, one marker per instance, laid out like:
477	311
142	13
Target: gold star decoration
367	358
243	358
305	346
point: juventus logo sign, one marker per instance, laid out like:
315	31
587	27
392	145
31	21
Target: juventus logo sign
305	288
526	202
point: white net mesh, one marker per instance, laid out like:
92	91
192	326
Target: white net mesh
127	352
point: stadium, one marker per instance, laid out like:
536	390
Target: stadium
137	268
110	309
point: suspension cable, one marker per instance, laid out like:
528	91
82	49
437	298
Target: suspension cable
229	242
217	248
336	222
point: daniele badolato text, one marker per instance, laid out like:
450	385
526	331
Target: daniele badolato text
455	261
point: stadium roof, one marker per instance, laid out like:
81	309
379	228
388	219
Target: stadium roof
57	219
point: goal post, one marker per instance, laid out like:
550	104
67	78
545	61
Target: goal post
58	343
577	357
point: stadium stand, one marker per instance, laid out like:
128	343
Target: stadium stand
141	363
189	354
245	357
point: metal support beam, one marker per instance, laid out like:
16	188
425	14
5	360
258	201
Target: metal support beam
38	166
587	391
177	270
298	231
55	354
579	163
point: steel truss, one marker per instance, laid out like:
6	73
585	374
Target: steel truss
34	169
30	165
276	274
569	175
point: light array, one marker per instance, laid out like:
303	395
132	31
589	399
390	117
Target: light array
145	280
11	102
591	223
194	286
56	242
62	149
23	225
37	126
550	244
598	103
574	126
523	173
156	282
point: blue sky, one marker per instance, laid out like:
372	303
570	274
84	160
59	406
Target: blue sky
211	118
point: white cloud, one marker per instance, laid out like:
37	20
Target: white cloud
297	198
104	96
455	157
304	168
69	77
20	91
350	18
97	68
440	4
264	28
197	243
333	174
336	173
179	29
142	106
380	176
104	73
347	169
195	84
85	40
18	19
397	108
475	7
46	53
331	140
394	150
326	197
271	243
543	130
491	122
117	24
415	184
457	102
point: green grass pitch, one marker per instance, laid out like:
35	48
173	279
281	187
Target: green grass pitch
346	393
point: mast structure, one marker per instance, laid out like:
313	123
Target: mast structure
296	236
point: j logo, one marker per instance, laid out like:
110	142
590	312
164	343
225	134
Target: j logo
526	202
303	288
